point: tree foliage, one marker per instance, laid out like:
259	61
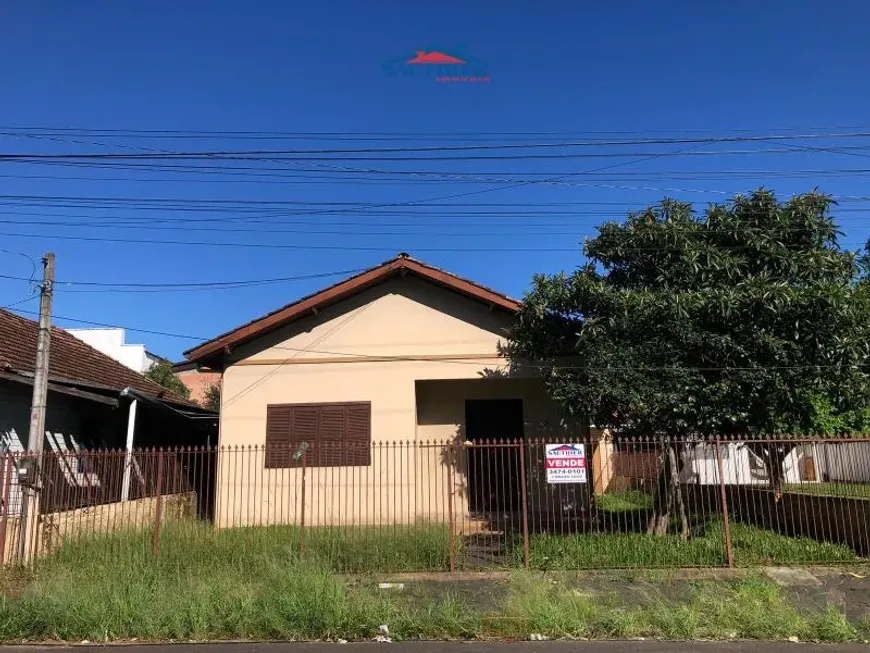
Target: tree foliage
161	372
212	399
749	320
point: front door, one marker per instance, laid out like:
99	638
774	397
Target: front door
494	426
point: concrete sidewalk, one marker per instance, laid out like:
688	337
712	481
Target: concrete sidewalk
633	646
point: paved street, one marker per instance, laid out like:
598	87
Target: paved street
646	646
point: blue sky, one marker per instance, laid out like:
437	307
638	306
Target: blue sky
637	68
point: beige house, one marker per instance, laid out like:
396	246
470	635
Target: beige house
401	353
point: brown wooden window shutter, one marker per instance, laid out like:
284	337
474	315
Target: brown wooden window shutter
338	434
359	434
278	428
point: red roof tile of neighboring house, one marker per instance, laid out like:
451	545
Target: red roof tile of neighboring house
71	361
402	264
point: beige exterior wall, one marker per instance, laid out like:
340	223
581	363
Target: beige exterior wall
324	358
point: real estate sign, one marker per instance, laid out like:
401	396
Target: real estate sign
566	463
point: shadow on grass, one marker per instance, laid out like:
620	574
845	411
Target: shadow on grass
705	547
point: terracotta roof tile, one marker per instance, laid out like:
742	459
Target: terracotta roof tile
70	359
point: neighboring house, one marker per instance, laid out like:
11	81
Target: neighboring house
93	401
805	463
401	352
196	379
112	342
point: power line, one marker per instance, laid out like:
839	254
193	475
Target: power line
410	230
475	363
270	155
458	176
675	368
371	231
123	202
501	188
95	286
303	202
346	248
115	326
247	175
134	287
318	339
399	178
26	256
20	301
512	185
454	148
261	172
341	173
315	135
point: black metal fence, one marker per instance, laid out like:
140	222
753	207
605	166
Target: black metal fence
583	503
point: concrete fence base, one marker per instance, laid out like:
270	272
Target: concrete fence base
58	528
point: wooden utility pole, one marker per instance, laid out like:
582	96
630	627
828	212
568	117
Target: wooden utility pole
28	535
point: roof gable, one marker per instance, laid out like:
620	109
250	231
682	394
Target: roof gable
71	360
400	266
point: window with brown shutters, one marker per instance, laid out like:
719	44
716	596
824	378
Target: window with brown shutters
338	434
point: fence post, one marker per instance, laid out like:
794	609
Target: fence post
729	552
525	495
158	509
450	517
4	520
302	517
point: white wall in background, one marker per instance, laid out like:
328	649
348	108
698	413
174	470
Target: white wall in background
112	343
739	465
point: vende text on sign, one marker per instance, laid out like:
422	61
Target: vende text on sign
565	463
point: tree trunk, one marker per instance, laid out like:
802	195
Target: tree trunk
773	455
668	496
776	475
681	509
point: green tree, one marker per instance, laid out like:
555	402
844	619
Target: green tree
212	399
750	320
162	373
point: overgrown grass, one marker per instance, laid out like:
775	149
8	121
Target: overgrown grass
752	546
620	550
200	602
753	608
252	584
182	543
424	547
841	490
73	601
232	583
759	546
627	500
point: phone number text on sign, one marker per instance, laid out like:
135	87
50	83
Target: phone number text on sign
566	463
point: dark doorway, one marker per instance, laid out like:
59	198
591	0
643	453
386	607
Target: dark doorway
493	465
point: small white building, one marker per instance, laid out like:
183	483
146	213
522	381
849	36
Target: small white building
740	465
807	462
112	342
